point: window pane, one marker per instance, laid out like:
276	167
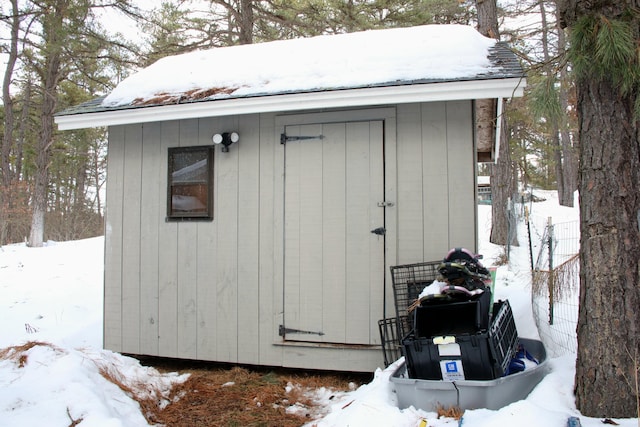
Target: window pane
189	182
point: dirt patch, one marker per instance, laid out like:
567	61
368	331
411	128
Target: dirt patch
229	396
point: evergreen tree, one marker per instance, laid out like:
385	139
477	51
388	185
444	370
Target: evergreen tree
61	43
6	176
604	39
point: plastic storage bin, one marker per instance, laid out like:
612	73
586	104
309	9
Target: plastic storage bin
441	317
428	395
481	355
460	357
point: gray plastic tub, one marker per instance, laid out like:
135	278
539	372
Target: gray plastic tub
471	394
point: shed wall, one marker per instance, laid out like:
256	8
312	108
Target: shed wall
213	290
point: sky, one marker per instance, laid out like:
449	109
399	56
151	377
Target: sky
53	295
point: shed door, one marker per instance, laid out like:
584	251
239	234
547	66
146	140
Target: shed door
334	264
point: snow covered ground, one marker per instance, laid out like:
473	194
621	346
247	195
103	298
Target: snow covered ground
54	295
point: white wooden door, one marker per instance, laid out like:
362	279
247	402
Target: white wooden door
334	264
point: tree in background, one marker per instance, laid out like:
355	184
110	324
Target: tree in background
604	43
167	32
56	42
549	102
94	61
6	177
502	184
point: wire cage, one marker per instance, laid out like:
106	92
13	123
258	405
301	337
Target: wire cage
390	340
408	282
503	335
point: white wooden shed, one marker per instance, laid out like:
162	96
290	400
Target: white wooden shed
275	249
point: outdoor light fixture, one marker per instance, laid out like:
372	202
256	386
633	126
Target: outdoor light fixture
226	139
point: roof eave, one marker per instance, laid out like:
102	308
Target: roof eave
473	89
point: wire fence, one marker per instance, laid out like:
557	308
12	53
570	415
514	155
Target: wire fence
555	292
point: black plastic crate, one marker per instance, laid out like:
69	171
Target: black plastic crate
504	335
428	359
389	335
408	282
446	317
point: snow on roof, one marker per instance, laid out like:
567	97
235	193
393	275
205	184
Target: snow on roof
362	59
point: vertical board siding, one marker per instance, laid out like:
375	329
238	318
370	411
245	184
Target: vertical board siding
207	260
390	131
226	197
361	216
436	203
309	205
113	241
435	185
270	238
131	239
461	176
292	225
168	259
213	290
376	262
333	304
187	258
248	285
152	202
410	203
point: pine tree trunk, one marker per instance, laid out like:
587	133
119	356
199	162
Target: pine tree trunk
40	190
7	137
569	167
609	318
246	22
502	188
609	175
53	26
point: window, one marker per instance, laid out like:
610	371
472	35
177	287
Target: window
190	192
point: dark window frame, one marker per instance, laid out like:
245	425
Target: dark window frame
177	215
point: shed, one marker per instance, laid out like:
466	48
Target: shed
257	195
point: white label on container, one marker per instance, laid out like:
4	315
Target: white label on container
452	370
449	349
444	340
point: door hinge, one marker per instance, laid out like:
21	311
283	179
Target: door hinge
282	331
284	138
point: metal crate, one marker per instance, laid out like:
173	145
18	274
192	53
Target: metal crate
408	282
503	335
391	338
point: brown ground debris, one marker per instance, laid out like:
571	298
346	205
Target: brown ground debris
228	396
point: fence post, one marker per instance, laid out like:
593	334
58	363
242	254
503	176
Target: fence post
526	217
551	278
508	215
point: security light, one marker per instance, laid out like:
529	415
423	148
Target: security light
226	139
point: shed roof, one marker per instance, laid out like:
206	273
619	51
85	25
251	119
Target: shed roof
424	63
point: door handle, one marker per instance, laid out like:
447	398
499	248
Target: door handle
380	231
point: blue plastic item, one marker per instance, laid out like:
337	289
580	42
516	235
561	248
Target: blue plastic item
573	422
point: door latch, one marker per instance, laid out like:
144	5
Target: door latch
379	231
